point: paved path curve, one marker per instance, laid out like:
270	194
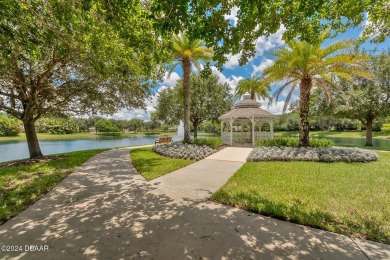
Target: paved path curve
106	210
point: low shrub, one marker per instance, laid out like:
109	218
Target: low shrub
213	142
335	154
386	128
294	142
278	142
9	126
321	142
181	150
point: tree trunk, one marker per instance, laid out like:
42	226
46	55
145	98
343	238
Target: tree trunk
196	125
304	104
32	139
253	94
186	65
369	131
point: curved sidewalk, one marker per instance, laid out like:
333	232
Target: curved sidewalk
106	210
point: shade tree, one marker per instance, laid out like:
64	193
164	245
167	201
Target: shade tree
75	57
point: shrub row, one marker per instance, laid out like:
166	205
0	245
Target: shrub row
294	142
213	142
335	154
180	150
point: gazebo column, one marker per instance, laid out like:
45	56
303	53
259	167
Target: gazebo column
271	126
253	130
222	123
231	131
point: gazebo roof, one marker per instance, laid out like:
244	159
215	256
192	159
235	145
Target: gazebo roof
246	108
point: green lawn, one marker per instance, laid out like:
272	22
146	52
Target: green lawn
23	185
351	199
152	165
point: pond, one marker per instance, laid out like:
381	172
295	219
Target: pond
379	143
18	150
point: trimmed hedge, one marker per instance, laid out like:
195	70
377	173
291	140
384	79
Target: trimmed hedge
213	142
335	154
294	142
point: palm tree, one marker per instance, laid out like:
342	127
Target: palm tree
306	66
186	53
254	87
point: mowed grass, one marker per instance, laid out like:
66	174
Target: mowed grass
23	185
152	165
347	198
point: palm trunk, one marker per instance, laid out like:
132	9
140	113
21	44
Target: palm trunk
186	65
32	139
304	105
369	131
253	94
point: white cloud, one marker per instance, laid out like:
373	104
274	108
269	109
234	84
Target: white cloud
233	15
266	43
275	108
171	81
139	113
263	64
262	45
233	61
232	81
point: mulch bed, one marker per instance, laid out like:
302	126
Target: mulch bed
31	161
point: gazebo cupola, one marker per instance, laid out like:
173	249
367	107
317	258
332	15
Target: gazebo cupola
246	123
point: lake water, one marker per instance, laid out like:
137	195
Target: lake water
18	150
379	143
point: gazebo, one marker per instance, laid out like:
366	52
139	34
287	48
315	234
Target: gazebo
246	123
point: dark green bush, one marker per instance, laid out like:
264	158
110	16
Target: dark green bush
294	142
321	142
213	142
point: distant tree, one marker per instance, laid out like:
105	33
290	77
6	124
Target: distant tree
152	125
186	53
211	126
210	99
60	125
135	124
253	86
106	126
303	66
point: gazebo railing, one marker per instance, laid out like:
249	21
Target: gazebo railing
244	137
262	135
225	137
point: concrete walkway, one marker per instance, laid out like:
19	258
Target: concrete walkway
106	210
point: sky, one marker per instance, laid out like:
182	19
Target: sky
232	73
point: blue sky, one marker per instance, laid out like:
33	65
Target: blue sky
232	72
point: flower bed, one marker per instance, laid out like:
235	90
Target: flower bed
335	154
184	151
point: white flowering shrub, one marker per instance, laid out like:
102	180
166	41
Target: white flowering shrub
184	151
334	154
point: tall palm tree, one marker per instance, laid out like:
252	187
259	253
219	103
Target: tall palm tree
306	66
254	87
186	53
